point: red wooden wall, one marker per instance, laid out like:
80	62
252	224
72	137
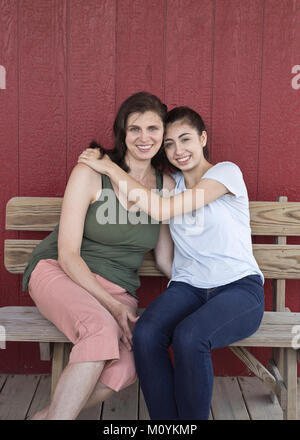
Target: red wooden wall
70	63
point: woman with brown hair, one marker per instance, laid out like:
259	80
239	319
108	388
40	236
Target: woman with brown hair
83	277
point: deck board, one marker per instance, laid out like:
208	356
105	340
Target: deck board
258	400
234	398
16	396
41	398
227	401
122	405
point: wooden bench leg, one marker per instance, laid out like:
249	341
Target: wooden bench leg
57	364
61	352
45	351
290	412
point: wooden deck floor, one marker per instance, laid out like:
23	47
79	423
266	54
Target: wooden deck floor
234	398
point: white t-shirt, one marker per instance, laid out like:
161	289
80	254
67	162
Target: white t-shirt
213	244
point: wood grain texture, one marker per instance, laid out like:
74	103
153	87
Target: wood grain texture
33	214
140	48
42	97
42	112
258	400
27	324
42	214
236	93
278	170
227	401
275	218
275	261
278	167
91	75
16	396
189	55
9	153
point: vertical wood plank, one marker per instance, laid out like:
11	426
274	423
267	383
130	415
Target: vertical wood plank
189	55
291	383
42	97
91	74
57	364
280	109
42	116
237	79
278	168
9	156
140	48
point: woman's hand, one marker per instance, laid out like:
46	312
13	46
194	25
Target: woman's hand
92	158
124	317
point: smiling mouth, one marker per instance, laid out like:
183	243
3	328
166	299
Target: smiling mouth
144	148
183	160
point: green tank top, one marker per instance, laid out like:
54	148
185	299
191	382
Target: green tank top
114	240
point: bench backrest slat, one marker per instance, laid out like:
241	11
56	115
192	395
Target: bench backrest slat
42	214
33	213
275	261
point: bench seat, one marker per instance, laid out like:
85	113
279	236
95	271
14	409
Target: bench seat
27	324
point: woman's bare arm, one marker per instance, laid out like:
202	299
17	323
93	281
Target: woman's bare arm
158	207
77	197
164	251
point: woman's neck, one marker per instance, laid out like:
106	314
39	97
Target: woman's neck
139	170
192	177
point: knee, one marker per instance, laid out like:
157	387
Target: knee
93	324
187	339
146	334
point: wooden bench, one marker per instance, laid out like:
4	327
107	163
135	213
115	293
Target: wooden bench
278	261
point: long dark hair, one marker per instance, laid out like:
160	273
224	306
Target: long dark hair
139	102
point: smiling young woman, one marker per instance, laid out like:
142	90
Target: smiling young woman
215	294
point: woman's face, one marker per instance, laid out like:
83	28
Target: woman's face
144	135
183	145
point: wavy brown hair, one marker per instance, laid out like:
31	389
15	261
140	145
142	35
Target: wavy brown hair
140	102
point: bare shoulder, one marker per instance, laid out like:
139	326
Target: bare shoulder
84	178
169	182
85	173
81	169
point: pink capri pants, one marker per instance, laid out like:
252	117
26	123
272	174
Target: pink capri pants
86	323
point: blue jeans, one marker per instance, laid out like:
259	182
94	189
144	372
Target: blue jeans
194	321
